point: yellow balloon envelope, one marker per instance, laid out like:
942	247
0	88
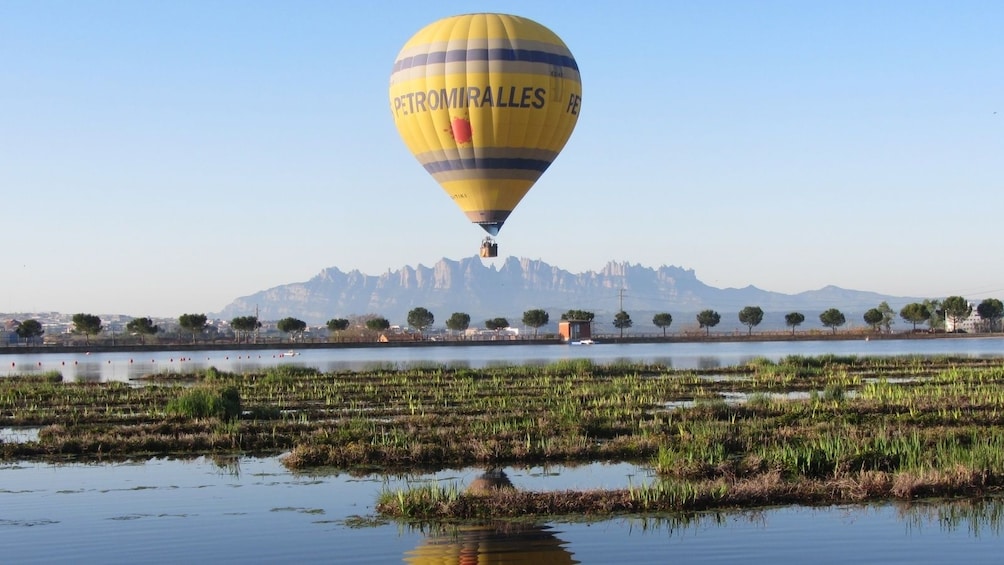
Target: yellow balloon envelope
485	102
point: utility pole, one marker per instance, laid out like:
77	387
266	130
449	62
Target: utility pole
620	308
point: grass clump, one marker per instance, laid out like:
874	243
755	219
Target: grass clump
207	402
286	374
214	374
421	501
44	377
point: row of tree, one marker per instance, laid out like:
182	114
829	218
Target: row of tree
422	319
89	325
952	310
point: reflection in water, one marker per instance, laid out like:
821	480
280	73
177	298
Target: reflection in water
981	516
19	434
708	363
227	464
502	542
494	542
685	523
663	361
88	372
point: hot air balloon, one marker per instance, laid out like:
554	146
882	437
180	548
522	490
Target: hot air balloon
485	102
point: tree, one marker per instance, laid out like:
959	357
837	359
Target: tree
915	313
956	309
536	319
291	326
29	329
888	316
336	325
708	319
194	323
497	325
378	324
244	325
420	318
936	319
622	321
873	317
458	322
87	324
578	316
991	310
832	319
751	316
663	320
142	327
793	319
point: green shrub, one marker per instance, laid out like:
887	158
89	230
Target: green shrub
207	402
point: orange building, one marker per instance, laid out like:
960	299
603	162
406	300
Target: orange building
574	330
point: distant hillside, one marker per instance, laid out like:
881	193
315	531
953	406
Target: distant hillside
484	291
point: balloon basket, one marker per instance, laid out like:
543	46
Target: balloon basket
489	248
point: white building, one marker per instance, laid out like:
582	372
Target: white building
973	324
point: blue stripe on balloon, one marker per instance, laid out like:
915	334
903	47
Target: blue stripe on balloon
498	54
491	163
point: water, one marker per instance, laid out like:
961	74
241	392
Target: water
252	510
19	434
704	355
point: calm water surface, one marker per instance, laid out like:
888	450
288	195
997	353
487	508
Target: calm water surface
252	510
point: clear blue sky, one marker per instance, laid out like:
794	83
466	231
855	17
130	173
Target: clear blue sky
158	158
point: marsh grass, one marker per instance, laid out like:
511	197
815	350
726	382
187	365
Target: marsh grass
860	427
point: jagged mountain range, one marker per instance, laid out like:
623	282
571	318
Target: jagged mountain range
487	291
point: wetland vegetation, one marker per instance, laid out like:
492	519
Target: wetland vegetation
810	430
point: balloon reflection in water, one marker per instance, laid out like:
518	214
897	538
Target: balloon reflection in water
497	542
503	542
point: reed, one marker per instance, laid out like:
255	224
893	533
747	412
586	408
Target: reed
415	502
